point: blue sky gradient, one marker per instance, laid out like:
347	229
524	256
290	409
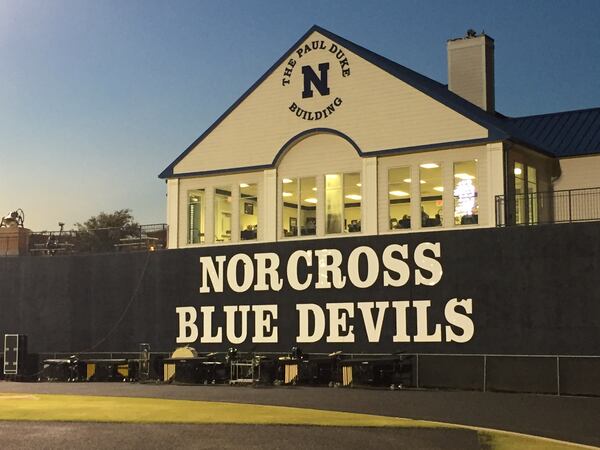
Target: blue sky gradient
98	97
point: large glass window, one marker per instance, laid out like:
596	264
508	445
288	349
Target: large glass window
520	193
222	214
248	211
352	202
308	206
399	197
466	186
334	203
196	216
532	194
342	203
526	201
432	189
299	211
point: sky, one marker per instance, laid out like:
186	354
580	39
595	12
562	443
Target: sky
98	97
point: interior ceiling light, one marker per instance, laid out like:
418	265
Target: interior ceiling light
310	200
314	189
287	181
429	166
408	180
286	194
464	176
244	185
353	197
359	184
439	188
518	171
399	193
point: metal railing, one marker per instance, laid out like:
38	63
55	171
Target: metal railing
142	237
538	208
546	374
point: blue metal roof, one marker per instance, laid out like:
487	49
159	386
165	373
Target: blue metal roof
569	133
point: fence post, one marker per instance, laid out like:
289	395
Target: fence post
496	207
557	375
417	371
484	373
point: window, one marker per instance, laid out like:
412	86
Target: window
333	203
222	221
520	192
432	189
299	211
466	205
248	211
196	216
352	202
532	194
399	197
342	203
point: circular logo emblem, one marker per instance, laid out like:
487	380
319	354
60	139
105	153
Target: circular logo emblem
312	75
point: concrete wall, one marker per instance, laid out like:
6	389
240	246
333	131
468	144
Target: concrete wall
527	297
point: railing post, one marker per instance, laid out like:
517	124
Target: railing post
570	212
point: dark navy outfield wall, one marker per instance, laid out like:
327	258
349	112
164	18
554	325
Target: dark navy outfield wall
534	290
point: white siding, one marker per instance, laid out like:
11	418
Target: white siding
581	172
378	112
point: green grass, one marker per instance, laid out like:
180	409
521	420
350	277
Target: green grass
81	408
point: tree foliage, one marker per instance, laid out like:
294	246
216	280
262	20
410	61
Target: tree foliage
102	232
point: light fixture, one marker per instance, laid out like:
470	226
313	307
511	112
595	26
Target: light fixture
287	181
244	185
286	194
399	193
314	189
518	171
359	184
353	197
408	180
464	176
310	200
439	188
429	166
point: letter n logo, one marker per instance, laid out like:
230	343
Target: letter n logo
310	77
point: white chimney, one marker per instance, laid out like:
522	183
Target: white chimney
471	69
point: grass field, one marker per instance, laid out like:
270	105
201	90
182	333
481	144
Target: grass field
73	408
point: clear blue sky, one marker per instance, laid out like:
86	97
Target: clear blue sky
98	97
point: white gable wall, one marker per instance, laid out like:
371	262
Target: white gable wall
378	111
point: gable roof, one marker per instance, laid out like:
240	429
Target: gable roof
568	133
498	126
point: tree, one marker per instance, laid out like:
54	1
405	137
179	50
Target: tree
101	233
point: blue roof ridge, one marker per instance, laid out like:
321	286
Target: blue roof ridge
573	111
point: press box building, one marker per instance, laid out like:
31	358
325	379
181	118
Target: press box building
336	140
